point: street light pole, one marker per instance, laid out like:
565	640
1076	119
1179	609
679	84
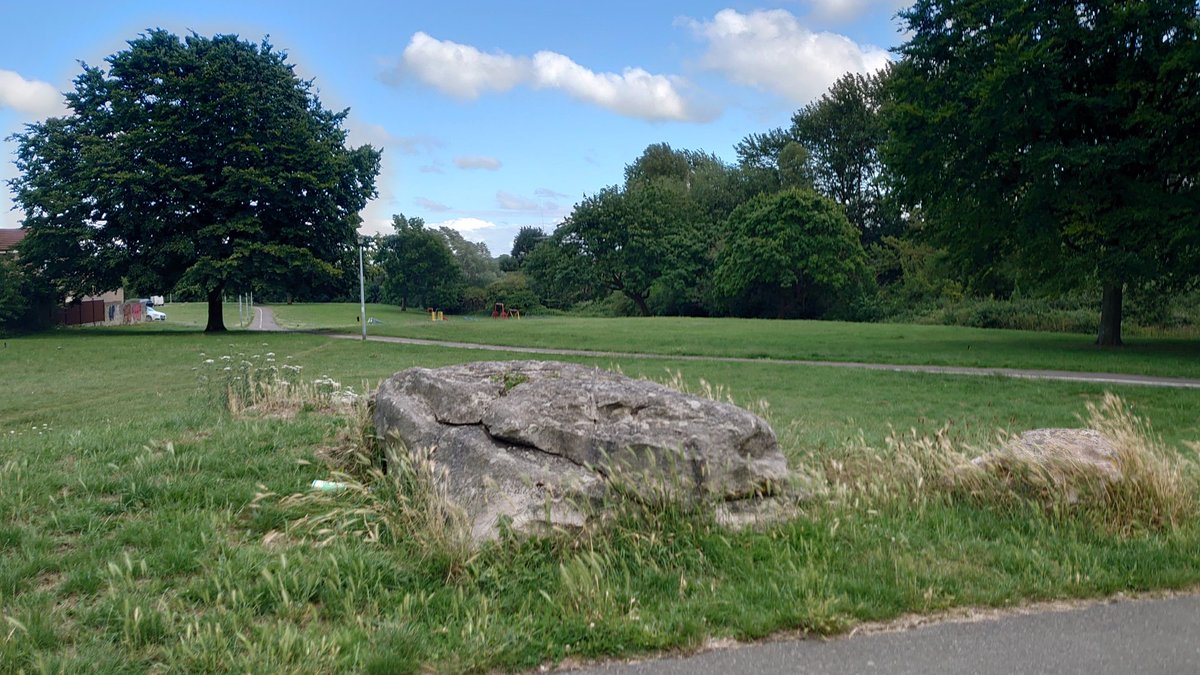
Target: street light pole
362	291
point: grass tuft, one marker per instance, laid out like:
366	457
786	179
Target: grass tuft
1141	486
1159	487
402	507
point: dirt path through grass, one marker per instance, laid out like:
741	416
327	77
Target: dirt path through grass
1058	375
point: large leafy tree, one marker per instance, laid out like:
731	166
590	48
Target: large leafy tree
558	274
843	132
649	234
1059	134
419	267
478	267
205	161
790	254
527	239
14	301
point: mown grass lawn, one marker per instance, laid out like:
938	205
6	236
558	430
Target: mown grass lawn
800	340
144	527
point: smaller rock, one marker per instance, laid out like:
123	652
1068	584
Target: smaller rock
1061	459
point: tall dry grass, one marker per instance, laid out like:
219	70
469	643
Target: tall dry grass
1141	486
376	492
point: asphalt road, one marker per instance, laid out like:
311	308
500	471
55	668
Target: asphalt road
1157	636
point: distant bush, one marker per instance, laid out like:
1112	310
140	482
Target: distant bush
1061	316
1068	313
615	304
513	290
474	299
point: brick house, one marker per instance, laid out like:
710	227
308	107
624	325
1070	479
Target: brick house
107	308
9	238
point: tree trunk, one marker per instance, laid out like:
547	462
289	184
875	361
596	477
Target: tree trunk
1110	316
216	313
639	301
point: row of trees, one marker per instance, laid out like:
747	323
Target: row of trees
689	234
1043	145
422	267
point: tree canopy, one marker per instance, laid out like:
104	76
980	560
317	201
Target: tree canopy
843	132
791	254
419	266
474	259
649	236
205	161
1057	134
527	239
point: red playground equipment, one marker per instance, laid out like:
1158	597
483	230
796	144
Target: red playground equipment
499	312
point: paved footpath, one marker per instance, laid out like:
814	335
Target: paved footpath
1060	375
1104	638
264	319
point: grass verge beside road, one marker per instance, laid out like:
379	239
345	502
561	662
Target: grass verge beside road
139	531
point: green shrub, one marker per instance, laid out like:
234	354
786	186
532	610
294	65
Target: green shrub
615	304
474	299
1068	314
513	290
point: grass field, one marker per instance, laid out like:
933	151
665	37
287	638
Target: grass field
801	340
144	526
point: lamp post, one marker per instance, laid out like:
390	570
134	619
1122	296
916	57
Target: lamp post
362	291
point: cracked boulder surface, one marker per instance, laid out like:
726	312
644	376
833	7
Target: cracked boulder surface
542	443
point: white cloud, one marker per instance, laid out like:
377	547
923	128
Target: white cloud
466	72
511	202
462	70
633	93
29	97
378	136
370	228
771	50
477	162
412	145
430	205
358	133
377	215
465	226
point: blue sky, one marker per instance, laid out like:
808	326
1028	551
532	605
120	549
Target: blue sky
492	116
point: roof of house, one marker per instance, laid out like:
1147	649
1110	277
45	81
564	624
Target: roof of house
9	238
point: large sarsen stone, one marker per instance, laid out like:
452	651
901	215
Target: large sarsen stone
537	439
